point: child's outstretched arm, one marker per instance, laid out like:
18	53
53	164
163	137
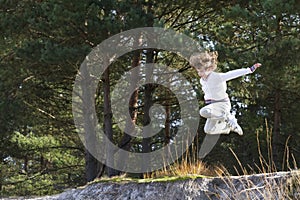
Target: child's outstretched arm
239	72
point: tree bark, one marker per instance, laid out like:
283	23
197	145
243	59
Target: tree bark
91	163
133	104
276	132
110	158
148	102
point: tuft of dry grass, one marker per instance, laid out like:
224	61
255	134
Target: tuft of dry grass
188	165
187	168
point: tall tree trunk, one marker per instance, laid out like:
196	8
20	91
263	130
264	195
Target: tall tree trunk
277	111
90	166
276	132
133	104
91	163
148	102
168	122
0	182
110	159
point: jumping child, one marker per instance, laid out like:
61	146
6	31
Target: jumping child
218	106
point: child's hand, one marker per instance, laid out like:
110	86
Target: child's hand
255	66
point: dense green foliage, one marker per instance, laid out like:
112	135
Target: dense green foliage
43	44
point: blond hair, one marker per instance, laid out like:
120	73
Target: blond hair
204	60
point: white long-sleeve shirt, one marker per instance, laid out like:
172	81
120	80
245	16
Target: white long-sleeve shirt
214	86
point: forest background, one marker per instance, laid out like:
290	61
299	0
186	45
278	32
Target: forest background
44	42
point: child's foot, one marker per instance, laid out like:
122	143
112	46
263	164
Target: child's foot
234	126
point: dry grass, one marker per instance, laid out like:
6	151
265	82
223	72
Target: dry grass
185	168
270	185
188	165
267	184
279	185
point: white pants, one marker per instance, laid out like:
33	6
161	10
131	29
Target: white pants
216	113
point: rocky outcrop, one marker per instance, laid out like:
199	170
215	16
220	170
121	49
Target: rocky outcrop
281	185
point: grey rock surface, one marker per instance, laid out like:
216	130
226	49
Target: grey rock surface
259	186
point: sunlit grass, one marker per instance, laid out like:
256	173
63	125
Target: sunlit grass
186	168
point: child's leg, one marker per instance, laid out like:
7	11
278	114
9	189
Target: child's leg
234	126
213	111
216	126
216	114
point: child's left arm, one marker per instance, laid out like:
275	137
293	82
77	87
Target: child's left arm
239	72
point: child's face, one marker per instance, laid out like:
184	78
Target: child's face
203	73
